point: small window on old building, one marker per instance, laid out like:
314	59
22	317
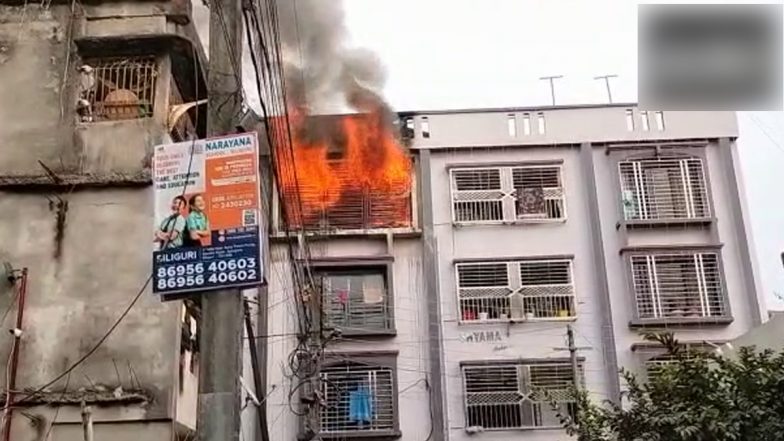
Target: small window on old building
511	125
659	117
645	123
540	122
630	120
115	89
425	127
526	123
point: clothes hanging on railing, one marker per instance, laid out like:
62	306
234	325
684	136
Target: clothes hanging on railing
360	405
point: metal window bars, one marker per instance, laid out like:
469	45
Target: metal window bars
663	188
357	399
517	396
507	194
678	285
119	88
356	300
350	207
515	290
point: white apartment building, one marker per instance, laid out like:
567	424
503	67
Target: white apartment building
453	326
610	218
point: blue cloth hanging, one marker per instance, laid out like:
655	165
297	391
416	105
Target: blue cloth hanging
360	405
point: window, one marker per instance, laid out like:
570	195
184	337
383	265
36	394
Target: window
517	396
511	125
540	122
526	123
491	291
118	88
356	300
425	127
644	122
659	117
358	398
521	193
678	285
630	120
662	188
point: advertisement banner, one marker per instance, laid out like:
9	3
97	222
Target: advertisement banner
206	231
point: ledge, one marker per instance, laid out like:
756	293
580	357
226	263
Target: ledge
35	183
356	233
371	335
681	321
360	435
663	223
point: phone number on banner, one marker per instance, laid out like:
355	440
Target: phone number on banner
200	275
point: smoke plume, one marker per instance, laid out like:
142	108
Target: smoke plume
323	74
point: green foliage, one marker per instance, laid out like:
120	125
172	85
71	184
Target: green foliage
702	397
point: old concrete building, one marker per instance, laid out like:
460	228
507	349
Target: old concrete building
609	218
86	91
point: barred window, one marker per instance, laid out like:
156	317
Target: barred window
356	300
119	88
664	188
678	285
499	194
517	396
358	398
515	290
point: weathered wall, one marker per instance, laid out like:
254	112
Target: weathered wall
74	298
33	51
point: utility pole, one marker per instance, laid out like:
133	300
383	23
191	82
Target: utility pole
221	333
573	356
606	79
552	85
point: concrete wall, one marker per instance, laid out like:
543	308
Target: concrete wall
73	299
410	323
88	264
565	125
33	50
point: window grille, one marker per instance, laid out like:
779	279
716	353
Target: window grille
517	396
120	88
356	300
357	399
663	188
356	207
678	285
526	289
507	194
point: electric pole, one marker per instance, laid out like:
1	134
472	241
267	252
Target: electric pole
221	324
573	356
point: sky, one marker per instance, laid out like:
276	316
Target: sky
441	54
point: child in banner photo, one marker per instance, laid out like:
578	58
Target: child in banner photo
170	231
197	223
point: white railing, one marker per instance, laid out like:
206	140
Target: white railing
357	399
517	396
515	290
507	194
663	188
682	285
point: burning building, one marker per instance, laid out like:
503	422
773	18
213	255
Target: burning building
350	172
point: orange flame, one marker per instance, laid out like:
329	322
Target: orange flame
363	183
